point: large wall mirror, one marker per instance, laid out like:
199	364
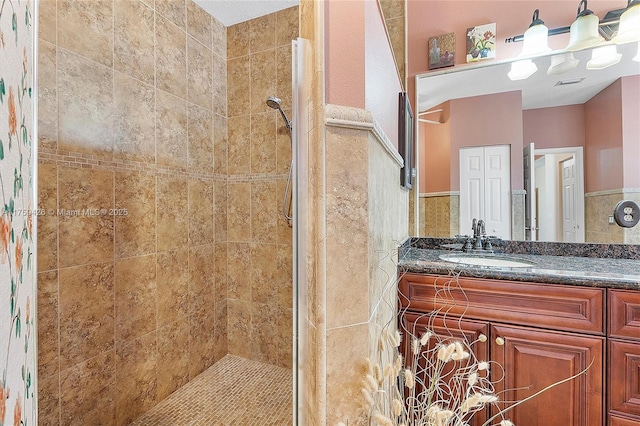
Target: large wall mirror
572	143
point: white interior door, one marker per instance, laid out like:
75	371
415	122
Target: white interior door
530	219
485	189
548	198
551	193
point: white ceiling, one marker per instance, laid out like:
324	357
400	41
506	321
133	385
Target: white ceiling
538	91
231	12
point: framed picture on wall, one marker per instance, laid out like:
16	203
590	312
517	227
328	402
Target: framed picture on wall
481	42
405	140
442	51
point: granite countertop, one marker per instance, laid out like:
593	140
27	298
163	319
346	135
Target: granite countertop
554	269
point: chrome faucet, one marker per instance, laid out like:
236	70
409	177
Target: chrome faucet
478	233
477	226
480	241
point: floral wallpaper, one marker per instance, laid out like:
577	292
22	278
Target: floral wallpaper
17	243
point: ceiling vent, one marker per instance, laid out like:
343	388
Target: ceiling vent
570	81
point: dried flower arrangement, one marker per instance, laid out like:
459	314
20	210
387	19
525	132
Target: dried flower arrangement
442	383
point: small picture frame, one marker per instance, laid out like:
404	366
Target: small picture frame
405	140
441	51
481	42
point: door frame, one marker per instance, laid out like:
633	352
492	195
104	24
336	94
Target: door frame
578	154
530	201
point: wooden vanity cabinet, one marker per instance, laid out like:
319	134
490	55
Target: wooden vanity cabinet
539	334
624	358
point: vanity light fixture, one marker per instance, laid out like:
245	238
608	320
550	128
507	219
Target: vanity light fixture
583	32
536	38
637	57
603	57
629	28
607	26
562	63
522	69
535	42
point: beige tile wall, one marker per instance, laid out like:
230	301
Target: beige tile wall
133	117
440	216
366	215
259	153
598	208
394	18
517	215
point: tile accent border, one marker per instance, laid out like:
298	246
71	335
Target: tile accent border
89	161
360	119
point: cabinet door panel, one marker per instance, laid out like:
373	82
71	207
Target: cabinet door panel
448	330
534	359
624	370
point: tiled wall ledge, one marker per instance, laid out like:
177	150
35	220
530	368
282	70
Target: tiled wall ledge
613	192
439	194
360	119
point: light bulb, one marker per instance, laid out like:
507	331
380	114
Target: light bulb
603	57
521	70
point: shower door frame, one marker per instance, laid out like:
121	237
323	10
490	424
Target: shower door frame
301	95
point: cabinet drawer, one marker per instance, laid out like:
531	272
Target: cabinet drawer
624	314
624	378
542	305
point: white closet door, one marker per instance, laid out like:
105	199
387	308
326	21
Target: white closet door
485	189
497	213
471	187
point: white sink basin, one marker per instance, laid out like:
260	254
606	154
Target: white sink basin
489	261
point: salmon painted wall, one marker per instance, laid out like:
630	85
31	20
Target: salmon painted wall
344	53
631	130
436	167
488	120
359	63
475	121
556	127
603	141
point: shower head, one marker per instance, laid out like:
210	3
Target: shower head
273	102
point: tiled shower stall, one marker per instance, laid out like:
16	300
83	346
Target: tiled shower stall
161	174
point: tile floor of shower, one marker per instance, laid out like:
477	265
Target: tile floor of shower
233	391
